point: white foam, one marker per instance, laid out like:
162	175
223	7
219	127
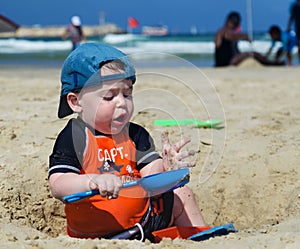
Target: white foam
130	43
119	38
18	46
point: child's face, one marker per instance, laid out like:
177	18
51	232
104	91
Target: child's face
274	36
107	107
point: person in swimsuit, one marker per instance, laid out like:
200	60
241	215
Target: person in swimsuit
226	42
100	149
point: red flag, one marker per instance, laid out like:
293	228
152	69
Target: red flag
132	22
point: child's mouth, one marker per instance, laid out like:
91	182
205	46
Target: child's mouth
120	119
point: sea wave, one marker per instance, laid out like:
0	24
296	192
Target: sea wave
127	43
121	38
191	47
20	46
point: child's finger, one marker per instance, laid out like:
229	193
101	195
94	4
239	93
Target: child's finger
165	138
184	155
179	145
103	192
115	193
117	188
183	164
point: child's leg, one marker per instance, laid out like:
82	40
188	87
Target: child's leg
279	54
185	210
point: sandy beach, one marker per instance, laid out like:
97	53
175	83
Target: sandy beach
247	171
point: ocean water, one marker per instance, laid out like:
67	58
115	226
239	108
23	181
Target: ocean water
169	51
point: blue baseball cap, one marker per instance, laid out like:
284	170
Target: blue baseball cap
82	69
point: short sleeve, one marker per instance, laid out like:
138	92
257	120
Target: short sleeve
68	149
145	147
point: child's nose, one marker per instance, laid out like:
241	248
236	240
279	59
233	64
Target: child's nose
121	100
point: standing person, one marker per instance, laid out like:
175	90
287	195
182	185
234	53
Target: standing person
295	17
74	32
226	44
288	41
101	148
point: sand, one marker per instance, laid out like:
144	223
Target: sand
247	171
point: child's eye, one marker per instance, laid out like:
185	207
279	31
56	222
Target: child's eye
127	93
108	97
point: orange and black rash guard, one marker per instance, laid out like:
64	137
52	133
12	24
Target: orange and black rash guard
80	149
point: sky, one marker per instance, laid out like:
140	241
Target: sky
179	16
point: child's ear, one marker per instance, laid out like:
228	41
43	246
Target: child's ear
72	99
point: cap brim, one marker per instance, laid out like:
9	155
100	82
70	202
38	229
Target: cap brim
64	108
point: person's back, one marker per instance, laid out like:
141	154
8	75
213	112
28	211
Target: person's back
74	32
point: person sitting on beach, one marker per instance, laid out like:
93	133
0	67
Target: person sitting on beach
74	32
101	148
288	41
226	44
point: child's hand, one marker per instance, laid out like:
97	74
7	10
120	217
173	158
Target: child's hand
108	184
172	157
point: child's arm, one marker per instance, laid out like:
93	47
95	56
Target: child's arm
62	184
